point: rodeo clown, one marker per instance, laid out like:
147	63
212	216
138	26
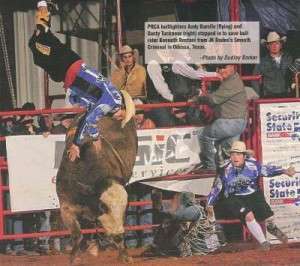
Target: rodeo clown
84	86
241	196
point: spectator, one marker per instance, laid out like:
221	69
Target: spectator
142	121
180	115
28	106
160	89
25	124
274	69
45	123
185	230
238	183
6	125
65	121
130	76
230	104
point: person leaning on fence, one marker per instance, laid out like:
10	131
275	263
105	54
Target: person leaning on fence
229	102
238	184
274	67
84	86
185	230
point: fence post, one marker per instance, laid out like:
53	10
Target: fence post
1	203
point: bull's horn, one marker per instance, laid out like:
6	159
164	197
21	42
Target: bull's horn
130	107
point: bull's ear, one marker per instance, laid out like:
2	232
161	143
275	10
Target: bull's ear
130	107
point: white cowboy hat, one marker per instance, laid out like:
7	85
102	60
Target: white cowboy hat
273	37
238	146
125	50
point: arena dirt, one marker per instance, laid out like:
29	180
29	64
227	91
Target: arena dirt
246	254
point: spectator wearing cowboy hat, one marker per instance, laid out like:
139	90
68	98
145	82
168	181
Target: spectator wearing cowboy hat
130	76
274	69
237	186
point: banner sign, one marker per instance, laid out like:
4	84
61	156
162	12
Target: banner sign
33	162
163	152
280	140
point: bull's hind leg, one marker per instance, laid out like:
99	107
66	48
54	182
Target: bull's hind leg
115	200
69	217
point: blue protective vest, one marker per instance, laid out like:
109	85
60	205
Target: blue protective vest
241	181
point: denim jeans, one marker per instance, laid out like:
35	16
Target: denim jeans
190	213
221	133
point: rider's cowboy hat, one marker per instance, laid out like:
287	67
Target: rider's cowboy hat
273	37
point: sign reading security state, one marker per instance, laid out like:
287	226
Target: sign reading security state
280	141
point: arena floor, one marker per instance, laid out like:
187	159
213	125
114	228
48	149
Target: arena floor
236	254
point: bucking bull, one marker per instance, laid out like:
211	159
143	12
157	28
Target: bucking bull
93	171
92	187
